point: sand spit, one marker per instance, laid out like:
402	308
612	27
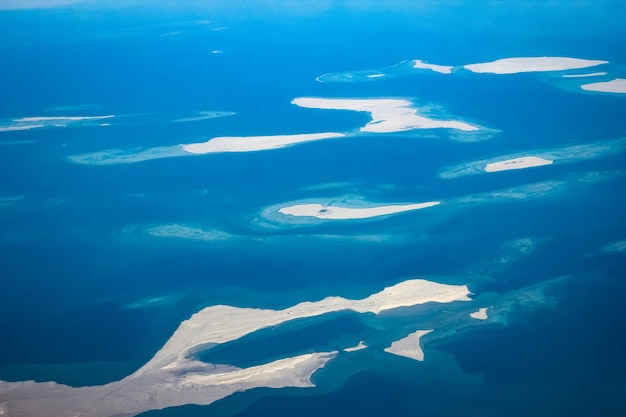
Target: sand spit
350	213
617	85
409	347
481	314
532	64
254	143
517	163
443	69
173	377
360	346
592	74
388	115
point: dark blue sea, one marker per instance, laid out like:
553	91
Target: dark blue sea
89	295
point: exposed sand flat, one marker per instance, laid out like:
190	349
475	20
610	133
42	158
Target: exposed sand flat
254	143
617	85
220	324
593	74
172	377
444	69
532	64
360	346
348	213
481	314
409	347
388	115
517	163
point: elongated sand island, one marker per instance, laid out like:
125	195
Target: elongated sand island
350	213
388	115
409	347
254	143
532	64
617	85
174	377
517	163
443	69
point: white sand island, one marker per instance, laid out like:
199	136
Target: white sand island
617	85
532	64
591	74
409	347
388	115
254	143
443	69
174	377
481	314
347	213
517	163
360	346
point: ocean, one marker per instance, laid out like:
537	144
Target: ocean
93	285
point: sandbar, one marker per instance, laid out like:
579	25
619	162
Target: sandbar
173	377
388	115
409	347
481	314
532	64
360	346
517	163
254	143
443	69
617	85
347	213
592	74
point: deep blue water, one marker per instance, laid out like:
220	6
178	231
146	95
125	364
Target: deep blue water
74	254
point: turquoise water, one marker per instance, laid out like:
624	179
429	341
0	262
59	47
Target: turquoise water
89	295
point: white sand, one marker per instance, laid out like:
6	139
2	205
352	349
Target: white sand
173	377
444	69
593	74
409	347
481	314
360	346
617	85
254	143
348	213
388	115
517	163
22	127
532	64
